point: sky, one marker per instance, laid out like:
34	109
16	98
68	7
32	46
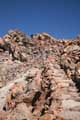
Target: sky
60	18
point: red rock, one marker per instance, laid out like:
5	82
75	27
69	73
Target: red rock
47	117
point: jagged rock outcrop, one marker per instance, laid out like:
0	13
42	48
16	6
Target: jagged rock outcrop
39	77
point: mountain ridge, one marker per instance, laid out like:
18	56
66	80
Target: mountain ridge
41	75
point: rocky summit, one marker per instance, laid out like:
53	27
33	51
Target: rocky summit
39	77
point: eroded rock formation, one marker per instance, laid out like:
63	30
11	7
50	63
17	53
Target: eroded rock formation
39	77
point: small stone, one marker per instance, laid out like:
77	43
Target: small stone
1	84
47	117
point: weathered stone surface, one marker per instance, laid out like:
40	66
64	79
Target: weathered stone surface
46	117
21	113
69	104
39	77
70	115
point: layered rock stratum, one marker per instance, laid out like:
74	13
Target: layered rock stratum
39	77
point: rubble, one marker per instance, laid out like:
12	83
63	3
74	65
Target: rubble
39	77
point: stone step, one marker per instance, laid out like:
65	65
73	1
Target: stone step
72	89
76	109
69	104
64	81
59	75
77	98
73	94
63	85
70	115
65	96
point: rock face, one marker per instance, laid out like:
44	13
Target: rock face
39	77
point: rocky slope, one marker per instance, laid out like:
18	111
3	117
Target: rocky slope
39	77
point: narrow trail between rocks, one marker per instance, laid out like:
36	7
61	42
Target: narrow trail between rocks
62	99
39	77
66	99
